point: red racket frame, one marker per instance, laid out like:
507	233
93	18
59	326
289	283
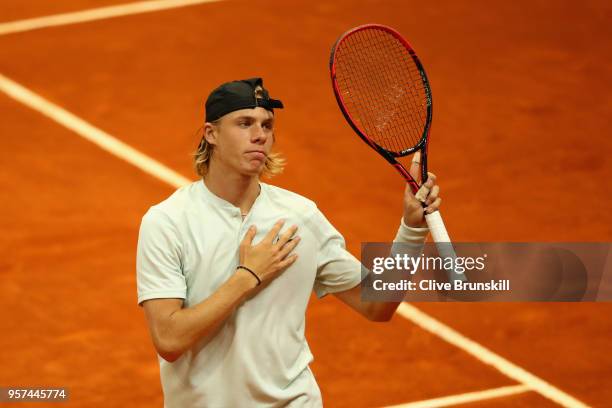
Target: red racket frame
389	155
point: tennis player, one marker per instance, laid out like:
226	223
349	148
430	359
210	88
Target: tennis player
226	265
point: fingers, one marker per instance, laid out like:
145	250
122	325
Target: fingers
274	231
286	237
433	194
434	206
288	247
426	200
433	200
425	189
415	166
285	263
431	180
250	234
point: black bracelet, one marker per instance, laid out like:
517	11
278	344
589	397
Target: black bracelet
252	273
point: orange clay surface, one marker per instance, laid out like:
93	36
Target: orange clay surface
520	144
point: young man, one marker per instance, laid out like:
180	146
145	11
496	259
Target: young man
226	266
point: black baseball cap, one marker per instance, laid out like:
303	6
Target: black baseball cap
235	95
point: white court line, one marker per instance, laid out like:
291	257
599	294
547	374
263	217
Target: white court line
465	398
94	14
485	355
91	133
163	173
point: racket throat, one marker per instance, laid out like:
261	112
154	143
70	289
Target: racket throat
413	184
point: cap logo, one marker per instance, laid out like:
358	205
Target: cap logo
258	92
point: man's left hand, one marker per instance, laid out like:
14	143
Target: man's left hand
414	212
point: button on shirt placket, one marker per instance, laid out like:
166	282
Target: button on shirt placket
241	222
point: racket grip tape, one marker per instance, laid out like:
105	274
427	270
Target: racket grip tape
443	242
436	227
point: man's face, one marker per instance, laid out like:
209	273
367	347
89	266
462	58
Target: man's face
243	139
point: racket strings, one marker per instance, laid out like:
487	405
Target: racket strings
396	79
382	89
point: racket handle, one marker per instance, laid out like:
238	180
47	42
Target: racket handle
443	242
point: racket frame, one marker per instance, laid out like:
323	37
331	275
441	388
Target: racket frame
434	220
389	155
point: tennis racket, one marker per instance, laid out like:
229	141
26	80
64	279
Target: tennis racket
383	92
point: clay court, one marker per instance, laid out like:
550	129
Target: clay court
520	140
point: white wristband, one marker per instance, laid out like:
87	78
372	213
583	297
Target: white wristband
410	234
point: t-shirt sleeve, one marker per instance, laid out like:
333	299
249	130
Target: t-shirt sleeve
158	259
337	269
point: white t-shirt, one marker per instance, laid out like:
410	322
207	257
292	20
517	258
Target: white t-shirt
188	247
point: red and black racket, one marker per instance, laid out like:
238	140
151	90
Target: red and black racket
383	92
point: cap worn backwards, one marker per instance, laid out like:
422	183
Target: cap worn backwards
235	95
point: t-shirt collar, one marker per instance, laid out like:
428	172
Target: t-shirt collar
217	201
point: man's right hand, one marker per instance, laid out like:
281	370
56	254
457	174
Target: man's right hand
268	259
